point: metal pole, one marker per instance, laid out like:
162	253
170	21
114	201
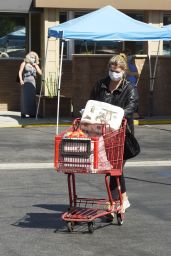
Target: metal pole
43	80
155	67
150	93
59	85
29	31
149	60
152	80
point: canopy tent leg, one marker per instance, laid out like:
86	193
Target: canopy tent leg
59	86
150	94
152	80
43	80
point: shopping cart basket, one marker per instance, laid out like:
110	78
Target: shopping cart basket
77	152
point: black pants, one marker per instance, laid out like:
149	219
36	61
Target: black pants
113	185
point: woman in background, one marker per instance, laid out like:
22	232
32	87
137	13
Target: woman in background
29	68
132	74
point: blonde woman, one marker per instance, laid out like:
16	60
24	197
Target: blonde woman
116	90
28	70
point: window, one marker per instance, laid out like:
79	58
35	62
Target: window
166	44
12	36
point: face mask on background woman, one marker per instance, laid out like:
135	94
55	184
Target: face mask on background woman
115	76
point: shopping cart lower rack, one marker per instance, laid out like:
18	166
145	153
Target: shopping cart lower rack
76	152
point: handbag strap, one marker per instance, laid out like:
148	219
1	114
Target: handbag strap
128	128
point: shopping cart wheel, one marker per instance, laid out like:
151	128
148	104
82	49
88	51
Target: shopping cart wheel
110	218
119	219
90	226
70	225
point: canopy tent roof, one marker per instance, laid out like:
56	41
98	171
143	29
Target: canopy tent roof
107	24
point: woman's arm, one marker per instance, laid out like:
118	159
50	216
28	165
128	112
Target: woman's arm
20	73
38	70
132	70
132	73
132	102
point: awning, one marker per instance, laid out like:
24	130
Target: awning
20	6
95	4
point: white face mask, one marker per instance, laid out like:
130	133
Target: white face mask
114	76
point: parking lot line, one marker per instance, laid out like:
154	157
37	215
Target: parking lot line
14	166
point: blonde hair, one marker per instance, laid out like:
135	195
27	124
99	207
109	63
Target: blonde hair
27	58
123	55
119	60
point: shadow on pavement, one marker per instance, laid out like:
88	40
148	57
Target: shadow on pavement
53	220
43	220
148	181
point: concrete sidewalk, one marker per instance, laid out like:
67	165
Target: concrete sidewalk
13	119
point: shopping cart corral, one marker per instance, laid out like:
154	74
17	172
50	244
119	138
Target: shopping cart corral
78	152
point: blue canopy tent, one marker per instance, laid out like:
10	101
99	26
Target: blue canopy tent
105	24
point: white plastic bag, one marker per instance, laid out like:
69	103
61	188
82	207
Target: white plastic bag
103	163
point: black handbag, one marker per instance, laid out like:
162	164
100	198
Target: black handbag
131	147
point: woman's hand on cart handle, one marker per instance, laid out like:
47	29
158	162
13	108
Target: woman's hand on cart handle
76	124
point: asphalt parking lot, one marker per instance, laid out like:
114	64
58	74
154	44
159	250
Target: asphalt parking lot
32	199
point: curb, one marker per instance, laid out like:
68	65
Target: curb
32	125
152	122
136	122
10	126
44	125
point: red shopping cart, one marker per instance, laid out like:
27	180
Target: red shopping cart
77	152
